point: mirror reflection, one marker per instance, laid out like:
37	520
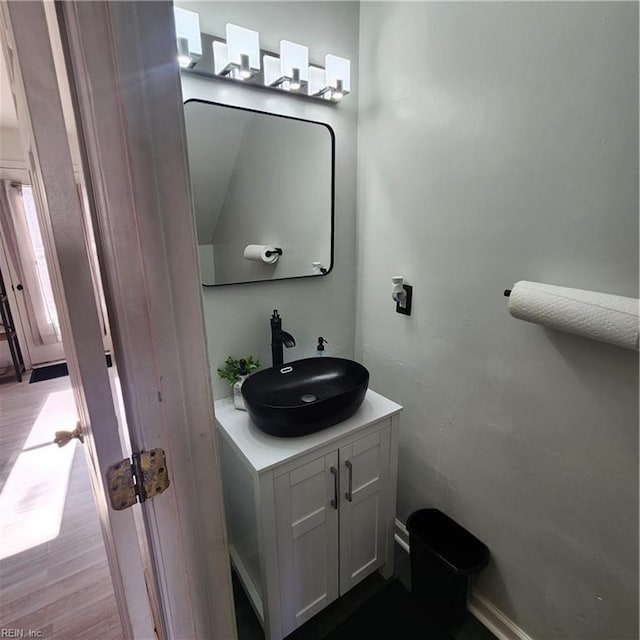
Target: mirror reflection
263	193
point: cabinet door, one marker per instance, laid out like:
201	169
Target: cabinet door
307	535
364	480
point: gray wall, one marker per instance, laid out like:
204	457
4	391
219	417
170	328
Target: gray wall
237	316
211	129
279	195
498	142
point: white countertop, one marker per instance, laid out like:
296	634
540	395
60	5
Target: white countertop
262	451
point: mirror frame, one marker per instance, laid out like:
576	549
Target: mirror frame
333	189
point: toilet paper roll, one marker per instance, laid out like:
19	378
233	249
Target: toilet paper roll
599	316
258	253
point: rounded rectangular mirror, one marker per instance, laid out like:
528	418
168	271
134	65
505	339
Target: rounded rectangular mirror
262	191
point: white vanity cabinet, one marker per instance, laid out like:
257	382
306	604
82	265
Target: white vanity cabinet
308	517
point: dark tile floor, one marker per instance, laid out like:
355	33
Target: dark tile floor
393	612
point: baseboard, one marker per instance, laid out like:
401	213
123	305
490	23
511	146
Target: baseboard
495	620
402	535
488	614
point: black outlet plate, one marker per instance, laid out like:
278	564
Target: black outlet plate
406	310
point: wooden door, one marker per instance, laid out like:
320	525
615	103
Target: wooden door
307	538
121	64
364	486
24	36
124	76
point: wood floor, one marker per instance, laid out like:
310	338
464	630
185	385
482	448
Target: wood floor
54	576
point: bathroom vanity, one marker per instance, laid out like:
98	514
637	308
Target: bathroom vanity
308	517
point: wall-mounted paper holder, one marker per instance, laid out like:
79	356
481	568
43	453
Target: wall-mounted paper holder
604	317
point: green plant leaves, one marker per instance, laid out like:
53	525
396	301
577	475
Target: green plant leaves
231	369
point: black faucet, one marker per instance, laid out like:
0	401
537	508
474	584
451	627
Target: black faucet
279	338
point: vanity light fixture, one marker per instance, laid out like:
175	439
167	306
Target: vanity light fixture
333	82
294	64
238	58
338	76
289	72
188	39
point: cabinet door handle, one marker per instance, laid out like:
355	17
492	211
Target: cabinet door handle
349	494
334	500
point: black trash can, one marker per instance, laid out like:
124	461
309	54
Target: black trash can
443	556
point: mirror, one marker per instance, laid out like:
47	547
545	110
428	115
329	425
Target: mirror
262	191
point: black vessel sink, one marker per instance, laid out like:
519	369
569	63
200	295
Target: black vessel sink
304	396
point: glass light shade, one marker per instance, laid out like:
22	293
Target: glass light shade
220	58
272	76
317	81
338	69
294	56
241	41
188	26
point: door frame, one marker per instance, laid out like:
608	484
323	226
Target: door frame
18	172
7	270
125	80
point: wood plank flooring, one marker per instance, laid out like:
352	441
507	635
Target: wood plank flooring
60	586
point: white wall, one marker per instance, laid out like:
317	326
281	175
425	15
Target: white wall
11	148
237	316
12	153
498	142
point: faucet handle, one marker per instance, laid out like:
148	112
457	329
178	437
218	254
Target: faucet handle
276	320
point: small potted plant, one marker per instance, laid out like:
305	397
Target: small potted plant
236	372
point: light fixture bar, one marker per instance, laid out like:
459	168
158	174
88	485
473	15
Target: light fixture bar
288	72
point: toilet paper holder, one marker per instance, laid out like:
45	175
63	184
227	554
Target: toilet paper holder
277	250
506	293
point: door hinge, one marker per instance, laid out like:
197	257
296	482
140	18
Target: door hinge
138	479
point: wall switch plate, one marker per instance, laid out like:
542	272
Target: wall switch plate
406	310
